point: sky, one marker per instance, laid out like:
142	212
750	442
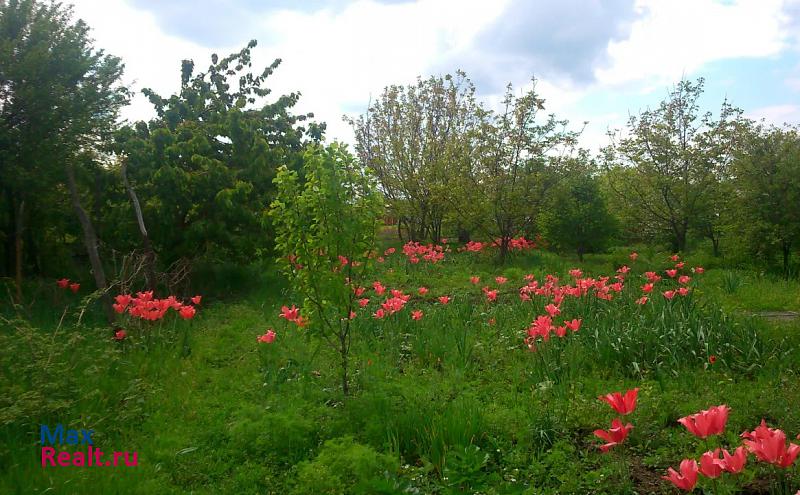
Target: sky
595	61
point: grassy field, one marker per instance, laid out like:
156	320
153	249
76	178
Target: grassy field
452	403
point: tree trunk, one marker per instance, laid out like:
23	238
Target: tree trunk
90	240
149	254
19	228
715	246
463	235
343	352
580	254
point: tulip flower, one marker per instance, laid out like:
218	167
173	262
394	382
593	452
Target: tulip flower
669	294
614	435
62	283
196	300
416	314
422	291
74	287
290	314
187	312
474	280
363	302
683	291
647	288
769	445
711	464
444	299
268	337
734	463
671	273
500	280
491	295
698	269
573	325
708	422
120	334
633	256
687	478
623	404
674	257
684	279
379	314
552	310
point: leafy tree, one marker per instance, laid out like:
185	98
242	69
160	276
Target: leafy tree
767	179
576	217
325	235
677	158
413	137
59	98
203	168
512	159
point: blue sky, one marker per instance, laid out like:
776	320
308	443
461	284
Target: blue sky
595	60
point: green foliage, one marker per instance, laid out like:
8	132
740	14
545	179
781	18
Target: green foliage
344	466
325	233
577	218
204	167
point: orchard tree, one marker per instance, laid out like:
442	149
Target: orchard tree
576	217
678	157
767	178
325	236
202	170
59	100
413	137
512	162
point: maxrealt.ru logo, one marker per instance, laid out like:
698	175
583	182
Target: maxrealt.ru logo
92	456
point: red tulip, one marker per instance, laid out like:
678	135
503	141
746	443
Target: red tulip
687	478
500	280
734	463
711	464
444	299
74	287
633	256
120	334
769	445
379	314
491	295
614	435
712	359
62	283
422	291
268	337
416	314
672	273
552	310
474	280
363	302
647	288
623	404
674	257
642	300
669	294
684	279
683	291
708	422
290	314
196	300
187	312
573	325
698	269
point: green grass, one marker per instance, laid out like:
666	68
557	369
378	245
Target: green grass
449	404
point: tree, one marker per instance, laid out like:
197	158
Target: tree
59	98
203	168
678	158
576	217
413	137
767	181
511	164
325	236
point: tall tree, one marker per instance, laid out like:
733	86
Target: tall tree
767	178
677	157
202	169
413	137
59	99
512	163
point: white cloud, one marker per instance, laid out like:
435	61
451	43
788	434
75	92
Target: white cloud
678	37
776	114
